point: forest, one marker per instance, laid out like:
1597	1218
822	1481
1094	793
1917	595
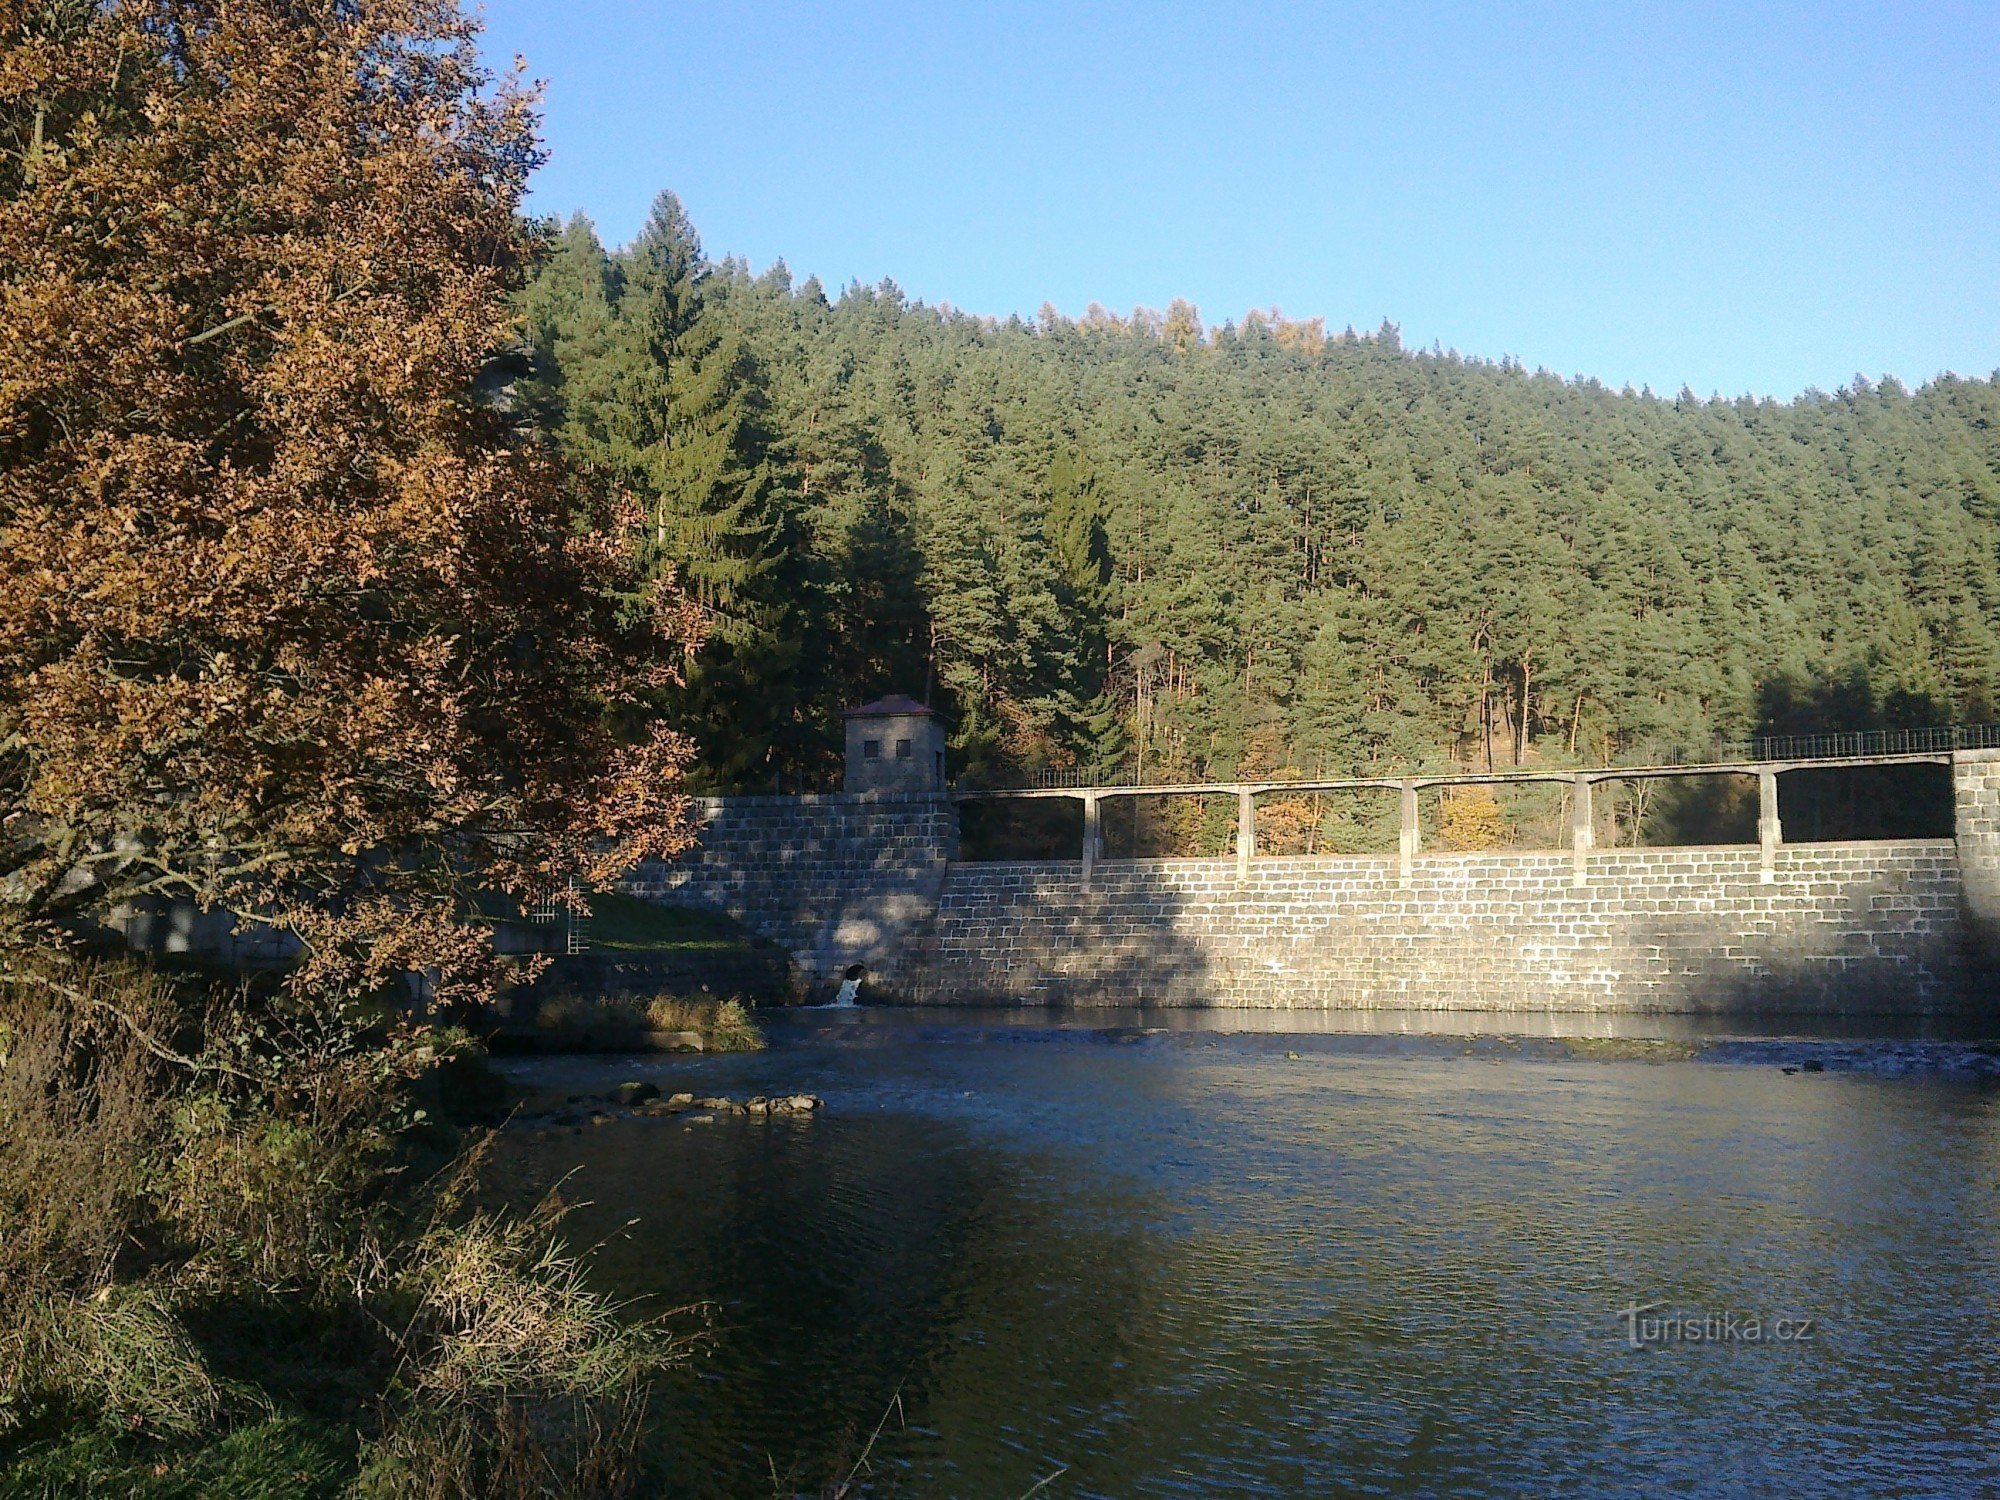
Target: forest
1146	547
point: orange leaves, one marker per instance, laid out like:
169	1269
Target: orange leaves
274	587
638	810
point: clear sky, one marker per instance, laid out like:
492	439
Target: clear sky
1754	197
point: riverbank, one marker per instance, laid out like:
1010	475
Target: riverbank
617	1023
245	1248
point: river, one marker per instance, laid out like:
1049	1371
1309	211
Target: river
1225	1256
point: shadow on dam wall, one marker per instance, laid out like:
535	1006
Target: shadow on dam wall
1850	928
1039	933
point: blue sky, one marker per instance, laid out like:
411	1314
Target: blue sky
1738	198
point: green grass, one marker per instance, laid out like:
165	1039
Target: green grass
628	924
278	1456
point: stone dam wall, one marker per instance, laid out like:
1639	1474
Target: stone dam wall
1840	927
837	881
873	880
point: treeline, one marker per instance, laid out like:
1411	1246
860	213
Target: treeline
1146	546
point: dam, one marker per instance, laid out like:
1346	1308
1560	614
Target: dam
869	884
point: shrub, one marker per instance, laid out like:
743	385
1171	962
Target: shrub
124	1354
723	1025
80	1133
515	1378
728	1027
281	1164
169	1157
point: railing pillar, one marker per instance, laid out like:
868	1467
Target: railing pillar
1407	846
1093	839
1770	830
1246	831
1582	832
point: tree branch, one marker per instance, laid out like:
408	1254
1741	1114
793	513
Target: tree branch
144	1038
221	328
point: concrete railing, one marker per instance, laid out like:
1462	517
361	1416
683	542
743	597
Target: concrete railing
1770	824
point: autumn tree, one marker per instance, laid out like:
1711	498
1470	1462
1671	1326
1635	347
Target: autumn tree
292	621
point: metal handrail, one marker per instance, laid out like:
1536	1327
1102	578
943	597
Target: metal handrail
1844	745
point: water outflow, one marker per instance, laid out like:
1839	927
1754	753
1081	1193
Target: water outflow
849	988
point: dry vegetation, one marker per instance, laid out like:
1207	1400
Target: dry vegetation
178	1170
622	1020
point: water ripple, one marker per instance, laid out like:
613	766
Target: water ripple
1184	1265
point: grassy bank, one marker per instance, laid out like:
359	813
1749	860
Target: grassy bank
633	1023
244	1251
627	924
618	923
270	1456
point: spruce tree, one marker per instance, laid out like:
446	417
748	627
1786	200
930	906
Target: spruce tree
1074	525
715	517
570	311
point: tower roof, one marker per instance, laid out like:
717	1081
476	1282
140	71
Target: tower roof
894	706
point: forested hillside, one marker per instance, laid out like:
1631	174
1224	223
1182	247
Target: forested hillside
1148	546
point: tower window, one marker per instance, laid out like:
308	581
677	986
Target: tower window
871	749
902	749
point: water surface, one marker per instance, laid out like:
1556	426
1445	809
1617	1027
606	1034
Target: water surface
1201	1263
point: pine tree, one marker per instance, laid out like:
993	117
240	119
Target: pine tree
1074	525
715	518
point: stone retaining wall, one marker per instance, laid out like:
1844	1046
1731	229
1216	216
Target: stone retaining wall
1844	927
835	880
